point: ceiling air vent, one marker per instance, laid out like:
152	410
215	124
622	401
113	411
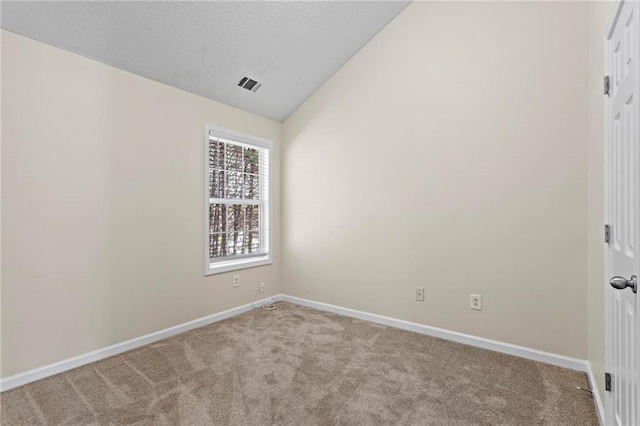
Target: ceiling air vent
249	84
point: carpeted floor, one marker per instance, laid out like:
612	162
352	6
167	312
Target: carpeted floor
299	366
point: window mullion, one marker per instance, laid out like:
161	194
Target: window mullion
225	171
234	201
244	215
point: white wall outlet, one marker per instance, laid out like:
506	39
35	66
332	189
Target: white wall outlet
261	287
476	302
236	280
420	294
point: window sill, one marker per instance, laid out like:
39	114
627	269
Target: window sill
234	265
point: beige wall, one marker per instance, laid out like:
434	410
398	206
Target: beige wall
599	13
102	209
450	153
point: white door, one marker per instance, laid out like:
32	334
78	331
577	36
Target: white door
622	122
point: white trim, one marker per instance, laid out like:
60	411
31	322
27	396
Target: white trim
607	213
80	360
467	339
236	264
238	137
596	395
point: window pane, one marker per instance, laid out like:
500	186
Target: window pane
217	218
233	158
217	245
228	229
253	217
241	244
216	154
235	217
234	185
216	184
235	243
251	187
251	161
253	242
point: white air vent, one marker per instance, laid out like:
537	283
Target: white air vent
249	84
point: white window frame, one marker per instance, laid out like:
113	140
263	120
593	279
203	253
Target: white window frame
241	263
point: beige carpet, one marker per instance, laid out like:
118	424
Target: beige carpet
299	366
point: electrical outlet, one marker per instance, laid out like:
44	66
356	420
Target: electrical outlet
476	302
261	287
420	294
236	280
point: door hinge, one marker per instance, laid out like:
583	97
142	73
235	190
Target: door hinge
607	234
607	382
607	84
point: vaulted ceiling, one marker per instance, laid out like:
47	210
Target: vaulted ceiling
205	48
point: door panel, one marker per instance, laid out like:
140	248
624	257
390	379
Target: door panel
622	121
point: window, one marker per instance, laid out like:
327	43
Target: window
237	206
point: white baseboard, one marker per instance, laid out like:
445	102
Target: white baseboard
494	345
20	379
596	395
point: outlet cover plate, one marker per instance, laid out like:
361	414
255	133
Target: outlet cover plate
476	302
420	294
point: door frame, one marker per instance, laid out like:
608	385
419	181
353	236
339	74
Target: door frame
608	323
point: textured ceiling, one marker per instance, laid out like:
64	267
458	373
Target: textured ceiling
206	47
